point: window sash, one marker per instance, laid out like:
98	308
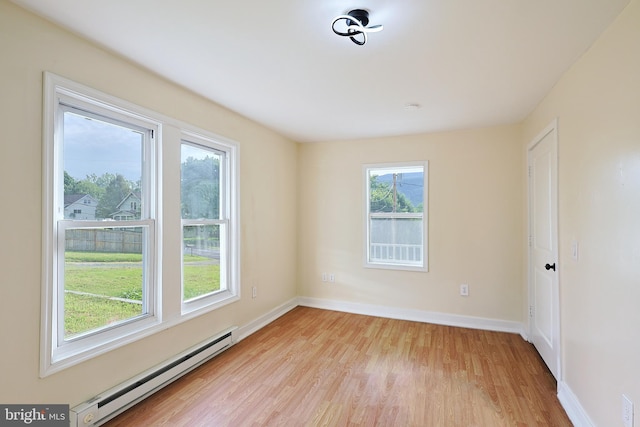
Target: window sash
393	249
107	114
148	276
224	211
222	262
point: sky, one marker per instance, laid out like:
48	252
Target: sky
189	150
95	147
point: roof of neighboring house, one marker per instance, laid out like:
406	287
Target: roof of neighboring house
70	199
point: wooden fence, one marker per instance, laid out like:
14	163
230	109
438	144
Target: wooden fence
104	240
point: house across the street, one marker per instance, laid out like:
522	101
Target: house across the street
80	206
129	208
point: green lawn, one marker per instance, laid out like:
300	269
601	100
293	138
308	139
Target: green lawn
110	281
83	313
200	280
101	257
105	275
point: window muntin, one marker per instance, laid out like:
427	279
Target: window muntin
205	222
395	216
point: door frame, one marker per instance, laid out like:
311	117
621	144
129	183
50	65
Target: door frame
550	128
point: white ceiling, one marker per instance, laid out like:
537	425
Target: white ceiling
468	63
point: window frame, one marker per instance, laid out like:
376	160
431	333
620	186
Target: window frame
166	312
227	218
367	215
62	95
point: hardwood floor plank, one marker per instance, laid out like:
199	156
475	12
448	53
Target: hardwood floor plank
316	367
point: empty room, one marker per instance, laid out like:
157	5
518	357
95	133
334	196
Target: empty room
320	213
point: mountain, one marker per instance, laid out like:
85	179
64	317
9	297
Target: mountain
409	184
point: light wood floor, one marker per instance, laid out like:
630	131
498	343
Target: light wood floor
315	367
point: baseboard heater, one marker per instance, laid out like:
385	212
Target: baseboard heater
112	402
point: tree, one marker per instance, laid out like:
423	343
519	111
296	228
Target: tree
116	190
90	185
69	184
382	198
200	184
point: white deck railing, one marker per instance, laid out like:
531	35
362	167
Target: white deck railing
402	254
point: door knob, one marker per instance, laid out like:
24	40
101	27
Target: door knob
550	266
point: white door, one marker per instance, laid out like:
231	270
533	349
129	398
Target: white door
544	295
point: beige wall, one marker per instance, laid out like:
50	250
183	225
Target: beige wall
597	104
475	205
29	46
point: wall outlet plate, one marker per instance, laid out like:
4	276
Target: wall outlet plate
464	290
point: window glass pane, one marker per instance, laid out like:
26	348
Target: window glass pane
201	260
396	240
396	190
102	169
104	282
200	183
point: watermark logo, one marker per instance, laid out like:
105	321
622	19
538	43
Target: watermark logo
34	415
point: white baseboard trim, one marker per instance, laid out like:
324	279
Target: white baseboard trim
415	315
265	319
572	406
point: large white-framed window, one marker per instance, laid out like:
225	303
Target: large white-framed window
101	271
208	210
104	183
396	215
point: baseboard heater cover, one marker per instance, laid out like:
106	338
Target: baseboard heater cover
114	401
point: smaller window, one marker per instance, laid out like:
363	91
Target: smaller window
207	211
396	225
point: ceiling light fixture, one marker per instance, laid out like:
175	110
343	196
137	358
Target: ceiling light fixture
356	29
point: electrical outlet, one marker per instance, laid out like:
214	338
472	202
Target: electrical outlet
254	292
464	290
627	411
